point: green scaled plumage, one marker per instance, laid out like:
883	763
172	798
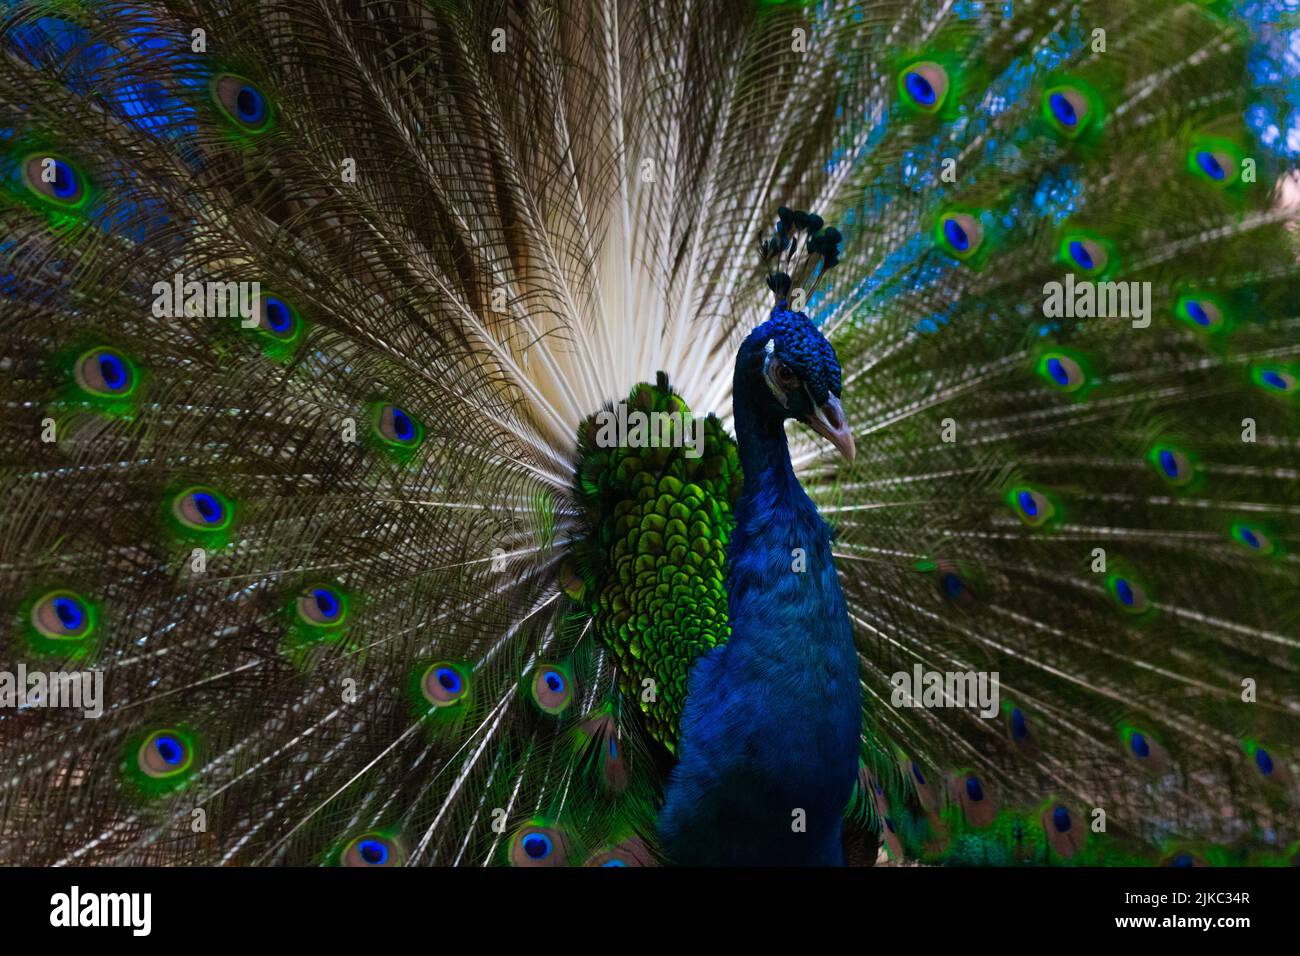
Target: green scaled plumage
658	522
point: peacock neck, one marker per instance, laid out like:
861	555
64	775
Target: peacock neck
769	480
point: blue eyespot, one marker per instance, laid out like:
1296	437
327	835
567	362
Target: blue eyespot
208	507
916	772
952	585
104	373
614	862
613	749
1061	820
1080	254
956	235
973	789
170	749
278	317
53	179
402	427
1210	164
242	102
1183	860
372	849
250	105
398	427
920	88
1138	743
1125	591
69	612
1197	313
1263	761
1055	369
1062	109
1028	503
924	86
1019	728
444	683
552	690
321	606
537	846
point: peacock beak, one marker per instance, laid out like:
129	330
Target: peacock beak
829	422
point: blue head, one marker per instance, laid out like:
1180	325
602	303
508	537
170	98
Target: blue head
787	369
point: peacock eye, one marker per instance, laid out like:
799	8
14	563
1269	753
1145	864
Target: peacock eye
54	179
1218	163
552	689
321	606
202	509
1274	378
1252	539
371	849
1062	371
960	234
924	86
164	753
1172	465
1068	109
1033	507
539	845
1128	594
398	427
62	615
104	373
241	102
1086	254
1200	312
278	319
444	684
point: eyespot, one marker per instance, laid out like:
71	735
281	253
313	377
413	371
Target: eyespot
954	585
202	509
164	754
63	615
322	606
397	427
1253	539
539	845
631	852
1263	761
1172	465
241	102
552	689
105	373
372	849
1063	831
1183	858
1062	371
278	319
1200	312
1032	506
924	86
1217	162
1274	378
1144	750
444	684
54	180
978	804
1068	109
1085	253
960	234
1127	594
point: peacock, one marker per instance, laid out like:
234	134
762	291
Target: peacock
633	432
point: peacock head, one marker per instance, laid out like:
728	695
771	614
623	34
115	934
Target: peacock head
789	370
